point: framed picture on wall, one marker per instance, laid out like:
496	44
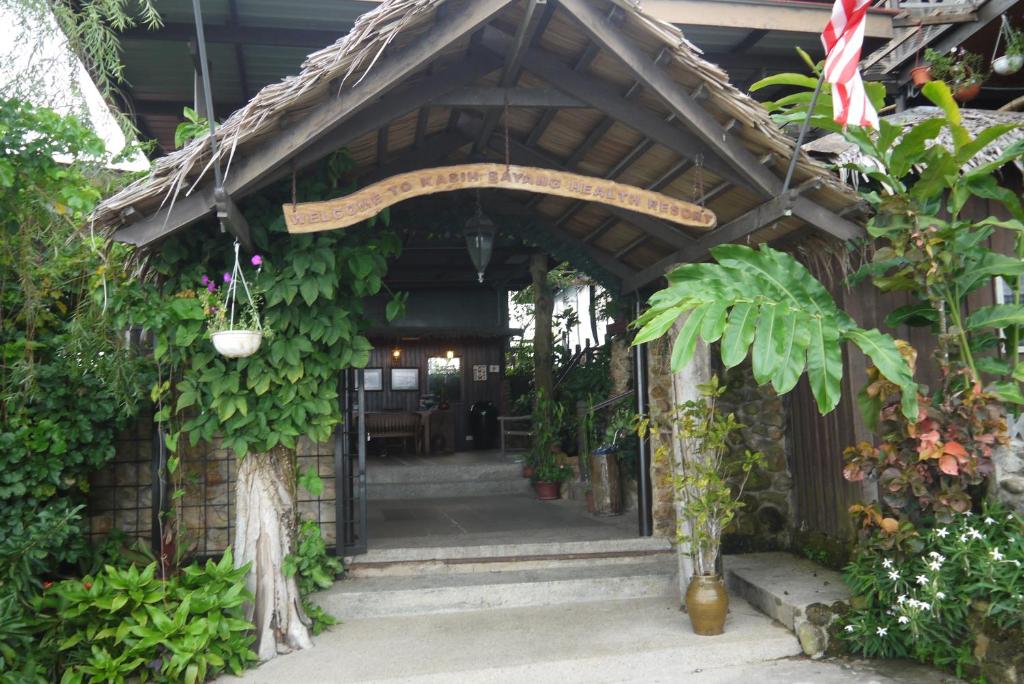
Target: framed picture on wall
405	379
374	379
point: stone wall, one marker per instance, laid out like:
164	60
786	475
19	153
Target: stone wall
766	522
121	494
1009	478
660	393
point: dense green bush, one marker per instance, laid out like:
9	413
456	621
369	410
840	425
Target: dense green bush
126	623
914	603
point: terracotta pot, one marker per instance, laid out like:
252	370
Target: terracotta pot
967	93
528	470
707	603
921	75
547	491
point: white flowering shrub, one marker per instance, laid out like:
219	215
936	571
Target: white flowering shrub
915	604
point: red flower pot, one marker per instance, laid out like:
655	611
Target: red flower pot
921	75
547	491
528	470
967	93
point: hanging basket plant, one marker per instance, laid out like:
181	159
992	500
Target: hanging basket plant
1011	61
234	324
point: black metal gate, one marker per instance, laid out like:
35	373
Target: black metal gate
350	466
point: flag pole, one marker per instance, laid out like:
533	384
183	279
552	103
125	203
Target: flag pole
804	125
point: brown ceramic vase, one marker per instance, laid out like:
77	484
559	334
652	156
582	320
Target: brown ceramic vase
707	603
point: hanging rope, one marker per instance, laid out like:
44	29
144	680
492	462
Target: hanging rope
508	154
237	275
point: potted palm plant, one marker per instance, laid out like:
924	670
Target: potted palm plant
709	484
548	479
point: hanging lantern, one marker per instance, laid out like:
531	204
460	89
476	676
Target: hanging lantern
480	232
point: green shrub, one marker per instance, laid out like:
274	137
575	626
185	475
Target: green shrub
127	624
915	603
316	570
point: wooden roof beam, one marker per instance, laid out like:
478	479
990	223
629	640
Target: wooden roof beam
746	224
547	117
727	147
603	97
510	74
650	225
691	114
360	109
480	97
604	260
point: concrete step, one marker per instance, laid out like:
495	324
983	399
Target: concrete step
438	480
379	491
367	597
491	559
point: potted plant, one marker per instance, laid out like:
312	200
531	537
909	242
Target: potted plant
1011	61
548	479
709	484
234	325
961	70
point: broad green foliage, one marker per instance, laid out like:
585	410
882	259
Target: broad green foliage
313	288
129	625
916	604
194	126
315	570
764	303
67	383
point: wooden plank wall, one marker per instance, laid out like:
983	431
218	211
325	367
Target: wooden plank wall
414	354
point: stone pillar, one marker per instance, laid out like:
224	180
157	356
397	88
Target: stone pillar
1009	476
620	365
666	390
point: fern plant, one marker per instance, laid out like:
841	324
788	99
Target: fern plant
764	303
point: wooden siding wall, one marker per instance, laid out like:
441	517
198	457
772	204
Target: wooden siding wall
822	496
472	351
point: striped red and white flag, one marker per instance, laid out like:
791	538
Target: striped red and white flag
843	39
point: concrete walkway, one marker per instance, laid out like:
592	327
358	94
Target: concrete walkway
646	640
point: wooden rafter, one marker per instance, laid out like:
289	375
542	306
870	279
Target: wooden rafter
547	117
746	224
652	226
727	147
482	97
322	125
510	74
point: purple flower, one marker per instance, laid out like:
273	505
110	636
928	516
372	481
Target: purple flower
227	277
211	286
257	260
205	280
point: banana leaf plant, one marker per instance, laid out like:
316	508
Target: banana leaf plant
764	303
929	242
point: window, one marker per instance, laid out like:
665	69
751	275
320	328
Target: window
444	378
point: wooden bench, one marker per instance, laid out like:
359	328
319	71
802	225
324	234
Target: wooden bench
398	425
507	431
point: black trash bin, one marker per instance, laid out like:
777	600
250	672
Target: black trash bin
483	424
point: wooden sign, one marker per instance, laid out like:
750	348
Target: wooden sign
311	217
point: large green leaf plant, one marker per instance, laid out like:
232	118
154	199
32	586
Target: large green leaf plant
764	303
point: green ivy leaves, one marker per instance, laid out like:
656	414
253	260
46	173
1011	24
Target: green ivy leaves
764	303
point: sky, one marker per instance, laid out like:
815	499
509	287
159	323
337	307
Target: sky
35	59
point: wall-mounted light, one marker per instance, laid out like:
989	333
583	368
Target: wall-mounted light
450	354
396	353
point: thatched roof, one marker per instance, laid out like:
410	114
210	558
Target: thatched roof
259	142
839	151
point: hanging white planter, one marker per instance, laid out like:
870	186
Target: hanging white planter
1007	64
243	334
236	344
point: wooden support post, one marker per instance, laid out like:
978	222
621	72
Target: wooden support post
543	336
